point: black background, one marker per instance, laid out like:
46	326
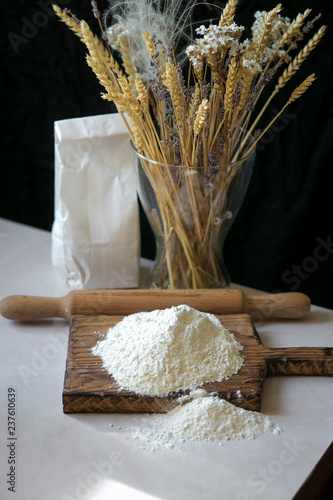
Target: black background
282	238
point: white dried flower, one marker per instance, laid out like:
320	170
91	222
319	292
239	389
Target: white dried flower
252	65
201	30
215	39
234	48
195	57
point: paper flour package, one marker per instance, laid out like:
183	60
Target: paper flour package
96	230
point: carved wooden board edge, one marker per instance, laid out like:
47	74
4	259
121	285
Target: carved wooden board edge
89	388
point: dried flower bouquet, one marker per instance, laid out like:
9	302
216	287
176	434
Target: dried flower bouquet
192	109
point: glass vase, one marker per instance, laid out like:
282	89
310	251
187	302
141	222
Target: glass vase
190	211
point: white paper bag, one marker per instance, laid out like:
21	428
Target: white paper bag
96	231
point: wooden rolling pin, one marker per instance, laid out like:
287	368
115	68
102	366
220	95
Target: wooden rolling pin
123	302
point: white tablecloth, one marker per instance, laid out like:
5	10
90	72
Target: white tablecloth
82	456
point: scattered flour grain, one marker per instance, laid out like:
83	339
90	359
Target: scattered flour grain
201	417
168	350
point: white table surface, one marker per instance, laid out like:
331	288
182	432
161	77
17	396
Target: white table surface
82	457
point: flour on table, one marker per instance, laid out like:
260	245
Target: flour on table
168	350
201	417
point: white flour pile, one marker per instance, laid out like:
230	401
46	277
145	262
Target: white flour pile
204	418
159	352
164	351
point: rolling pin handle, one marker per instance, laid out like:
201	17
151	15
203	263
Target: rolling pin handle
25	307
279	305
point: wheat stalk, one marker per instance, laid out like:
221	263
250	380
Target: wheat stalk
301	89
194	104
142	93
130	69
230	84
291	71
294	28
228	13
70	21
298	60
99	70
265	29
200	117
149	42
297	93
172	84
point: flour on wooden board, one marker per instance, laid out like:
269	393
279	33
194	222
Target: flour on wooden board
163	351
168	350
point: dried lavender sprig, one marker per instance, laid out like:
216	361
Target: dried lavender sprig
205	90
95	9
181	81
220	143
237	95
257	134
221	113
264	79
309	24
73	16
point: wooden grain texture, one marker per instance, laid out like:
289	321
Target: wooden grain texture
109	302
89	388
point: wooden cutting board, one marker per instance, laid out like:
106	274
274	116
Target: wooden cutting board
90	388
